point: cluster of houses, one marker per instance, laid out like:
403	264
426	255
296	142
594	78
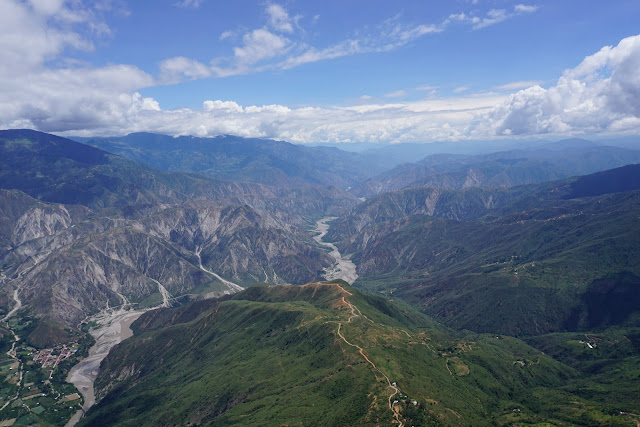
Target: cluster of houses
52	356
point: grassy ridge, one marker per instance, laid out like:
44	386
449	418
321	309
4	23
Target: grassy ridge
273	355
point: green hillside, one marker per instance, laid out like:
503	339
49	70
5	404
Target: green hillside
323	354
555	256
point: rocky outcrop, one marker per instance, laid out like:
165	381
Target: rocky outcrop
462	205
68	266
82	230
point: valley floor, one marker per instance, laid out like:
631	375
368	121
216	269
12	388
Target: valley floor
344	268
113	328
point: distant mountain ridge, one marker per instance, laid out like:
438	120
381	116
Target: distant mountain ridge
551	161
244	159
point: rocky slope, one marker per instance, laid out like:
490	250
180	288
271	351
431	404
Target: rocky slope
85	230
462	205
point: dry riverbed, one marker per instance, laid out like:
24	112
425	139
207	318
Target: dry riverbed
343	268
113	328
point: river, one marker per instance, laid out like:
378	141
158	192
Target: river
343	268
113	328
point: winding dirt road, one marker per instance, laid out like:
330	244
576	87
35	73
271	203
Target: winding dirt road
396	390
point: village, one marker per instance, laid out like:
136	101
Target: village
34	390
52	356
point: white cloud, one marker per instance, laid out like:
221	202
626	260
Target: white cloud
523	84
461	89
72	97
523	8
279	18
229	106
33	32
493	16
311	54
226	35
268	48
189	3
601	94
259	45
179	68
418	121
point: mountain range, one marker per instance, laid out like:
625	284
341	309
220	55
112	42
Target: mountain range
318	354
493	288
229	157
84	229
547	162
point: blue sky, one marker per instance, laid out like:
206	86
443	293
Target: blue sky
330	71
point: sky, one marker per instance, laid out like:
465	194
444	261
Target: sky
322	71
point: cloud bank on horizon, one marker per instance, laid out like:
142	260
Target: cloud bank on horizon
42	87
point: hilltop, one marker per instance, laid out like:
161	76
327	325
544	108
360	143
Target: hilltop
317	354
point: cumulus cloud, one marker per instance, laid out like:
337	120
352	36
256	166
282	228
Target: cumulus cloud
259	45
58	99
229	106
370	122
601	94
32	32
